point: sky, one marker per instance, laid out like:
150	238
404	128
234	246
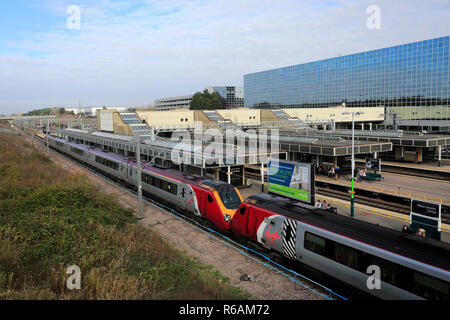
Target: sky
128	53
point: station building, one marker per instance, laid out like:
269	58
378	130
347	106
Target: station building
295	141
322	118
231	97
411	80
172	103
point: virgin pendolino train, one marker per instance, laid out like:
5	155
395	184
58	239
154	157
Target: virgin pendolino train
341	247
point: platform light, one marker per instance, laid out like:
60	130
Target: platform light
352	202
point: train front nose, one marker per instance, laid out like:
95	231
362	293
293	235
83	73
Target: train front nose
231	200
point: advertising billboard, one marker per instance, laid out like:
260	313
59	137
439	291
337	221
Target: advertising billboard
292	179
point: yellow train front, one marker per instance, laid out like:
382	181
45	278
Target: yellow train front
218	202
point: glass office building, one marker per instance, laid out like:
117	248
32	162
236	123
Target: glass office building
410	75
232	97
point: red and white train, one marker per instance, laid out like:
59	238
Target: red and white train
344	248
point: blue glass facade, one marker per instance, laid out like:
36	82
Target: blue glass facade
413	74
232	97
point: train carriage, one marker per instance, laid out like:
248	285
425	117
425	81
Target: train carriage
347	249
214	201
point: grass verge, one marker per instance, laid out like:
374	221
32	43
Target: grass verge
51	219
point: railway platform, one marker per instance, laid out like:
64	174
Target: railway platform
382	217
386	218
432	166
399	185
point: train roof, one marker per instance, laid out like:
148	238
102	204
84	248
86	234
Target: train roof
191	179
426	250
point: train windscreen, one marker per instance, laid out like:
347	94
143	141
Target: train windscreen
229	196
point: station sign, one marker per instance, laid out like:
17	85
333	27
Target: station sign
426	215
294	180
373	164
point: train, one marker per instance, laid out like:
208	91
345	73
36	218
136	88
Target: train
381	262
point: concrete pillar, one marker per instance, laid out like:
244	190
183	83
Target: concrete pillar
362	126
439	155
229	175
370	126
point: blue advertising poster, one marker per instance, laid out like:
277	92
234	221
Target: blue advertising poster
290	179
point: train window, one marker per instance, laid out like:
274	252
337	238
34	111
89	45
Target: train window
429	287
147	178
230	198
107	163
346	255
210	199
157	182
390	272
242	210
315	243
402	277
173	188
164	185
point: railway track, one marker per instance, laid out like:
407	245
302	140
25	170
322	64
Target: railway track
293	270
374	199
377	203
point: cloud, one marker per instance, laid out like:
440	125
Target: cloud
131	52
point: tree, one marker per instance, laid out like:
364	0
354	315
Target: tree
61	110
39	112
206	101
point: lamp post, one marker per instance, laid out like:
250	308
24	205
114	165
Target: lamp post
352	192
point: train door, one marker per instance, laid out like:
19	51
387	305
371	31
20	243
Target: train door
123	170
251	223
203	203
